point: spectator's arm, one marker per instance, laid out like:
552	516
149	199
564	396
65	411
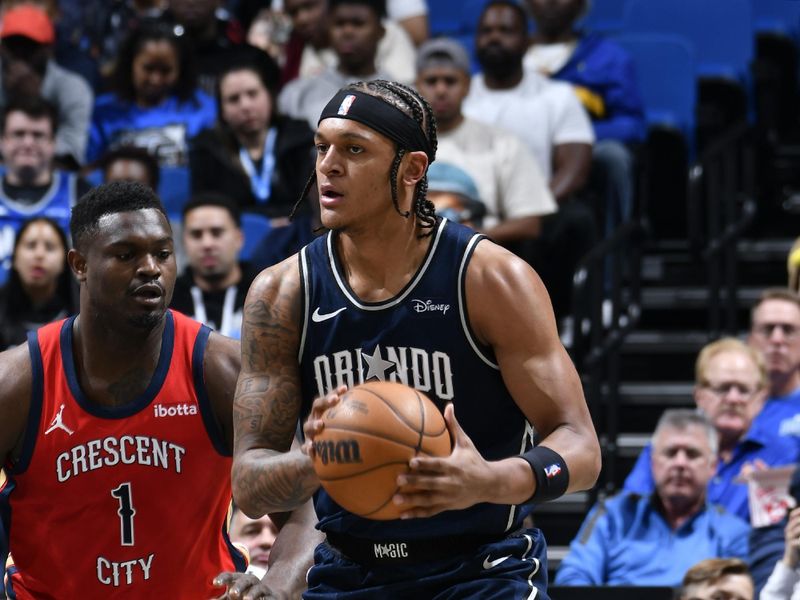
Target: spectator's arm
624	118
586	562
781	583
514	230
417	28
411	15
571	165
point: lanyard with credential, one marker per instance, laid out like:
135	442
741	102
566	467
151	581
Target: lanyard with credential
226	326
260	182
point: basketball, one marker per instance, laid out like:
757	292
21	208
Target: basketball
367	441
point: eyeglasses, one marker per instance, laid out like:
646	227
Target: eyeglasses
788	330
723	389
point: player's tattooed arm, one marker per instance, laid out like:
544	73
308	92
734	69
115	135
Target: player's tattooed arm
267	477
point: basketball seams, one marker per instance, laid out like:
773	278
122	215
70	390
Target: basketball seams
399	415
391	407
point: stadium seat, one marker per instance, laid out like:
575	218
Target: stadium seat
776	16
664	68
255	228
174	189
442	19
605	16
721	31
448	18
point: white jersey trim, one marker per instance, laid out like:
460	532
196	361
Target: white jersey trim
306	301
461	304
392	301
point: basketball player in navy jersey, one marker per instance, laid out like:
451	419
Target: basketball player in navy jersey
392	292
115	431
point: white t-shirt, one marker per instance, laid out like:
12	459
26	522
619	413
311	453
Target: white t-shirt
305	97
508	179
396	10
541	112
548	58
403	9
396	56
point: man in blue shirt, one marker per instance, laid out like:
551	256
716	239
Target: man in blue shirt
775	333
633	539
730	388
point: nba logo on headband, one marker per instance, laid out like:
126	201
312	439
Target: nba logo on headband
344	107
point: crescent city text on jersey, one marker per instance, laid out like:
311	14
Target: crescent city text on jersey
125	450
429	372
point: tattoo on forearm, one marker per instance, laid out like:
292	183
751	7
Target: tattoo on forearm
268	401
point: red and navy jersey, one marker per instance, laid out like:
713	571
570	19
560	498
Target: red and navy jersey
119	502
421	337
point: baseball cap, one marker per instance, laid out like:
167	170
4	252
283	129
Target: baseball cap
439	51
446	177
28	21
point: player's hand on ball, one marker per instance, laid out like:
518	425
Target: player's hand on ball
314	423
434	485
244	586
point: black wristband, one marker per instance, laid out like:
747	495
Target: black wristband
550	471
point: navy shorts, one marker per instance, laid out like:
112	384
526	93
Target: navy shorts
514	567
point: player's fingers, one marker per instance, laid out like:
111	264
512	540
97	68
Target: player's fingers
428	464
420	512
457	434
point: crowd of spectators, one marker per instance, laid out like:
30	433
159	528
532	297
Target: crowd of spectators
538	134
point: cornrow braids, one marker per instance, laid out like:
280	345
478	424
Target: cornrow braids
408	100
312	178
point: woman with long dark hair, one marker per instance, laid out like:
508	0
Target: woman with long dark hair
40	288
155	102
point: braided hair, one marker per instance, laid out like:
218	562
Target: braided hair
415	106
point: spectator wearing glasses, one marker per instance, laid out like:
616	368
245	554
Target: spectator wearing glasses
730	388
775	334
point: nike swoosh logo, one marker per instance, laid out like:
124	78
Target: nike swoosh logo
318	317
488	564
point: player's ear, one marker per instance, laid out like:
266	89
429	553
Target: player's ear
415	168
77	262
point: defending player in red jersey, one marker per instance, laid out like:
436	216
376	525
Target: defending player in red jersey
115	430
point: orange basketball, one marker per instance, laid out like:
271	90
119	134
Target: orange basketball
367	441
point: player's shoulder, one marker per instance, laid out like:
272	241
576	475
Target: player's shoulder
281	277
222	352
490	261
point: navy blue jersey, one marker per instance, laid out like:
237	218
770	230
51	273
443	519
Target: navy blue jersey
422	338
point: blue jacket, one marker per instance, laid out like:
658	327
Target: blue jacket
722	489
607	72
780	417
626	541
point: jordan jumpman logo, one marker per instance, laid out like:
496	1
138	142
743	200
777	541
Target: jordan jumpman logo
58	423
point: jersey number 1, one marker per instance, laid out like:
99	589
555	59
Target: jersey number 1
125	512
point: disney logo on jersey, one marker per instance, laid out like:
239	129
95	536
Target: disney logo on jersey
426	306
428	371
174	410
